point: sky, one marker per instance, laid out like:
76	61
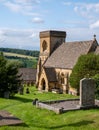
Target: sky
22	20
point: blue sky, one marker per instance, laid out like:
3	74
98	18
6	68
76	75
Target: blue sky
22	20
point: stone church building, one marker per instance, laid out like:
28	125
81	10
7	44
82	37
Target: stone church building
57	59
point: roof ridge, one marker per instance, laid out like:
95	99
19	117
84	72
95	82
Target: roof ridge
80	41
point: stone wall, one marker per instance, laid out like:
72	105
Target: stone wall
46	106
58	110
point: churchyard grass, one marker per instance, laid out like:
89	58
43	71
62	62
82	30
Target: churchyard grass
41	119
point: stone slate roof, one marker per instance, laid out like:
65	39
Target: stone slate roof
68	53
97	50
51	74
27	74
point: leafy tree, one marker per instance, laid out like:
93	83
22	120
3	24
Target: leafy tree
86	66
9	78
96	78
2	72
18	63
23	62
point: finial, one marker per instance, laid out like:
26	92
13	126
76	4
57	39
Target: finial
94	36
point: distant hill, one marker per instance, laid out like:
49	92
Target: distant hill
27	58
33	53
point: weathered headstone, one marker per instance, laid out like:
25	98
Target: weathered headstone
34	101
87	93
21	90
27	90
6	94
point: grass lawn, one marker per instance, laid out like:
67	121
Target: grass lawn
41	119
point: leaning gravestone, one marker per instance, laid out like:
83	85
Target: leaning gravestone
87	93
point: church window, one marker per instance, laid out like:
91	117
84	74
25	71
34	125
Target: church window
62	78
44	45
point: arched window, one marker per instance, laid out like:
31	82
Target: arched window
44	45
62	78
43	84
62	81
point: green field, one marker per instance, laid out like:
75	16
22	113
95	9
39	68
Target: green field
41	119
18	55
27	61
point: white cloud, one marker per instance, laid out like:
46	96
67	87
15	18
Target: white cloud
13	6
32	14
95	25
81	34
2	32
87	10
16	38
29	38
76	8
22	6
2	36
33	35
67	3
37	20
27	1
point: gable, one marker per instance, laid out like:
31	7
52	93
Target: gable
67	54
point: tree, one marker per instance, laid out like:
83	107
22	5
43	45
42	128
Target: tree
86	66
18	63
9	78
96	78
2	72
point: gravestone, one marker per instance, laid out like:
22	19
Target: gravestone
6	94
87	93
34	101
27	90
21	90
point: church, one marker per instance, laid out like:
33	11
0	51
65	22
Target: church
57	59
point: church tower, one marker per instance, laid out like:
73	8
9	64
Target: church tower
49	41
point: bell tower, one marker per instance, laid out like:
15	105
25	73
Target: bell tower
49	41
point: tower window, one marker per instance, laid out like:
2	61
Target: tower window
44	45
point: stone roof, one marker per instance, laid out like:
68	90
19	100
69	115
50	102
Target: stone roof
97	50
28	74
68	53
51	74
